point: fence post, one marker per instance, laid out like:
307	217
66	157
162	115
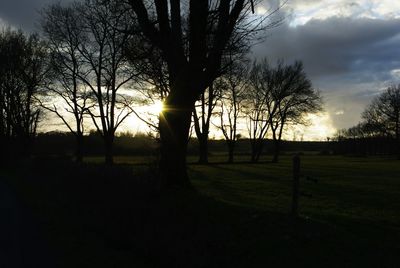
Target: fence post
296	182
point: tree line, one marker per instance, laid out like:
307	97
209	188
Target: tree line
94	57
22	73
379	130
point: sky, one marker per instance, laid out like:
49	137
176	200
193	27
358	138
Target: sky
350	50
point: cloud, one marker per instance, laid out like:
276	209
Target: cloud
336	45
24	14
301	11
348	59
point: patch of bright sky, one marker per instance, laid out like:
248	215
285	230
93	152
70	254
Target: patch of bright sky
395	74
300	12
320	127
148	110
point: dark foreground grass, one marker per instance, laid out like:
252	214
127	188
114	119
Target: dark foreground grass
237	215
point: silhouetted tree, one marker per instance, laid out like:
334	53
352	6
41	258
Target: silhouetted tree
192	39
383	113
278	96
106	27
204	107
202	120
260	106
293	97
23	71
234	84
62	28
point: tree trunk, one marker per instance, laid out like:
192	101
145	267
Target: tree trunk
174	125
25	145
109	146
398	137
398	149
79	149
277	145
259	149
4	149
203	148
256	150
253	151
231	148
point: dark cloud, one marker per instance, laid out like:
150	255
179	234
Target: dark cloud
24	13
336	45
346	58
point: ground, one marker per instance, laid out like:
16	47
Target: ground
237	215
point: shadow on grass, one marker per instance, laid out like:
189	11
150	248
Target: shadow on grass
95	216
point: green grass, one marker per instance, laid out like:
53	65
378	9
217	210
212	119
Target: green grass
365	189
360	188
238	216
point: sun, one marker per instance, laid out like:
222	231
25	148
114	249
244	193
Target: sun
156	108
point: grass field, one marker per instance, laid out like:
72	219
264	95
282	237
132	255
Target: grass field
237	217
365	189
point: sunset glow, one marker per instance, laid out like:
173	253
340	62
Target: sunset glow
155	108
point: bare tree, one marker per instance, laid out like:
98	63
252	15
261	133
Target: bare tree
61	26
234	52
35	70
293	96
279	96
202	114
106	30
260	106
192	50
234	83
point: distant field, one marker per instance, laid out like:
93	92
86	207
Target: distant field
237	218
